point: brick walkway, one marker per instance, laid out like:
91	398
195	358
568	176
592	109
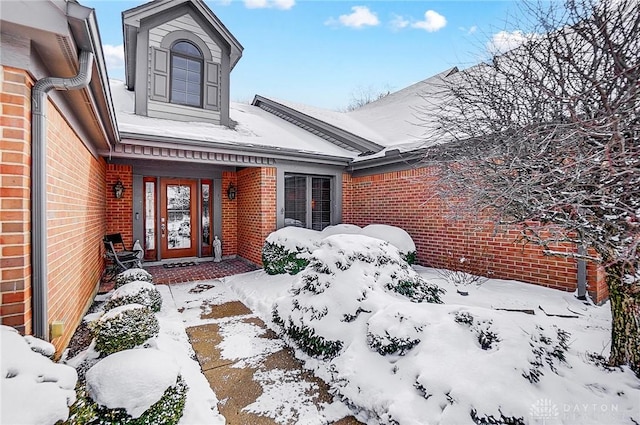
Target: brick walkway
200	271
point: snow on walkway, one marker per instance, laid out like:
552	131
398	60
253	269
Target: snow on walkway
252	373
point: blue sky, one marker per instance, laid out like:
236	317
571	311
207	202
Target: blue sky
321	53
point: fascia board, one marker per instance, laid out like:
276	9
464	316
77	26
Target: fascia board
84	27
357	142
236	149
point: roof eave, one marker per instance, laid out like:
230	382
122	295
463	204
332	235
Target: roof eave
84	29
267	151
361	144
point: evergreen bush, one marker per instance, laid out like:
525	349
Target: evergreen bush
124	327
133	275
167	411
278	260
136	292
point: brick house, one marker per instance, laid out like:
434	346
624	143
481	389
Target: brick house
194	165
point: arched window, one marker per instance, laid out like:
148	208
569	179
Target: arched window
186	74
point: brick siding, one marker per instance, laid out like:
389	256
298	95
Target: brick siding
406	199
229	216
76	224
256	210
119	217
15	204
75	214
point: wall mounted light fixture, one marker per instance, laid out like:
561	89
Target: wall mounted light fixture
118	189
231	192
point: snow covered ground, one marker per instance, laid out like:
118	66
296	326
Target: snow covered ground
448	373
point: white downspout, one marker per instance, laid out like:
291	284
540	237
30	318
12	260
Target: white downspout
39	185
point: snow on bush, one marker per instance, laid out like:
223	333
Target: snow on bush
40	346
136	292
133	275
395	236
124	327
140	386
341	229
354	311
35	390
287	250
349	279
438	363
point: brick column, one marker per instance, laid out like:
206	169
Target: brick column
15	204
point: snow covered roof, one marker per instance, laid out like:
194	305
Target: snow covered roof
397	122
256	129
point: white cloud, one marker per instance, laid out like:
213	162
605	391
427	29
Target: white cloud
268	4
504	41
360	17
113	55
472	30
433	21
398	22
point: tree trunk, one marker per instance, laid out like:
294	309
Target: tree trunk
625	314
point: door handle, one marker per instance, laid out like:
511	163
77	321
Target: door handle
163	228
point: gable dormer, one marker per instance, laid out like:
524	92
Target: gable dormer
178	59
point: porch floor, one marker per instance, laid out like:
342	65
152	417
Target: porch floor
204	270
195	271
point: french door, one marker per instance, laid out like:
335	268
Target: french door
178	215
307	201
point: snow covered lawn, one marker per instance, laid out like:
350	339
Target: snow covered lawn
508	350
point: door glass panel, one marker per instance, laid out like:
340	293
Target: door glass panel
149	215
178	216
206	206
295	199
320	202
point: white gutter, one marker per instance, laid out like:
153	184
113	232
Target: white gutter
39	185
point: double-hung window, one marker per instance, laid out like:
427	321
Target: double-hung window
186	74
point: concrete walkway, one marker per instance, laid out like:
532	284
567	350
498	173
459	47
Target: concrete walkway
255	376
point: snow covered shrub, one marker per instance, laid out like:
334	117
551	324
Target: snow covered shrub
287	250
40	346
395	236
35	390
547	350
124	327
140	386
133	275
136	292
481	328
366	275
467	270
341	229
391	332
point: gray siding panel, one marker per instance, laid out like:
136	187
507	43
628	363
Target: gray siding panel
175	112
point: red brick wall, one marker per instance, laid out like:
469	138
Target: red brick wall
256	210
76	224
15	205
229	216
119	217
406	199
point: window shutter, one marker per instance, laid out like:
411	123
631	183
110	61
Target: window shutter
211	86
159	74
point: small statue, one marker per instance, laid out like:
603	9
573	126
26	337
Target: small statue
217	250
